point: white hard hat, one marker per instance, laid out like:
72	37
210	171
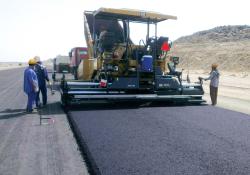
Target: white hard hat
37	58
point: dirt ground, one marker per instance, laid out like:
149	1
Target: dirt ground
10	65
232	84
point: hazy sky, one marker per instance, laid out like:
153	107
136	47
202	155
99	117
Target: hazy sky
51	27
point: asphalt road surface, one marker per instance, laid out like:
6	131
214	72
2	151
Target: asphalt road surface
28	148
175	140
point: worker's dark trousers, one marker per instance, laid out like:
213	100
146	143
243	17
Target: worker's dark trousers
213	94
43	90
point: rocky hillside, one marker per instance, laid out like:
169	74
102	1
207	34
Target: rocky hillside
229	46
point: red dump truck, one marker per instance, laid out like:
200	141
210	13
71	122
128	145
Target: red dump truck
76	54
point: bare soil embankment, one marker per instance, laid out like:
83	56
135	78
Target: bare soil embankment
230	56
229	47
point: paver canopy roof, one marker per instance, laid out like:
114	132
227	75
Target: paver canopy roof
131	14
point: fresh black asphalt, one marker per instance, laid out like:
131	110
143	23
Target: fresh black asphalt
175	140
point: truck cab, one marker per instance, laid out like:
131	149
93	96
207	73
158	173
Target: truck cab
61	65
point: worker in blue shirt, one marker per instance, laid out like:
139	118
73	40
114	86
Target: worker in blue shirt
42	76
30	84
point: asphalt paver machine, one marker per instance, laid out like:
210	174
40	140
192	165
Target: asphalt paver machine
117	69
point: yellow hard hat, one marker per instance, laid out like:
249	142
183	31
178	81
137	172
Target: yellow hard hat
32	61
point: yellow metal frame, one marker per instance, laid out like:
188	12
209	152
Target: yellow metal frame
139	15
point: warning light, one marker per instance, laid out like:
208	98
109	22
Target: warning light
165	46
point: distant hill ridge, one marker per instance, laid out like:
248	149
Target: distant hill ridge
219	34
229	46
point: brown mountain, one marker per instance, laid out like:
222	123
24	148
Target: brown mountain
229	46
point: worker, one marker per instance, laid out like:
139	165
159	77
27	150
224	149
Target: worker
172	68
106	39
214	83
30	84
103	32
42	76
